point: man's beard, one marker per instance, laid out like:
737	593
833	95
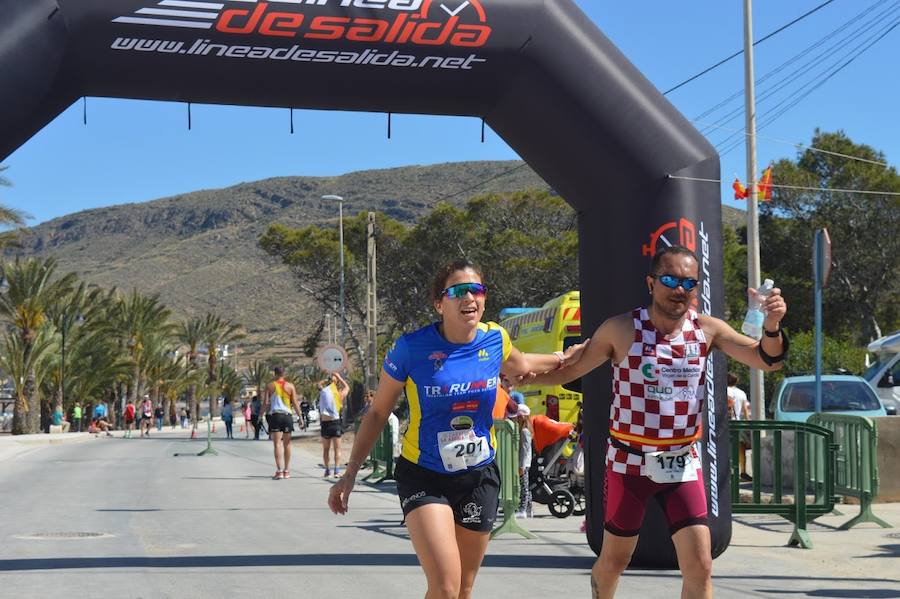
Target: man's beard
669	310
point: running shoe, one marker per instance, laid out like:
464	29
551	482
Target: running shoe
278	475
327	473
285	474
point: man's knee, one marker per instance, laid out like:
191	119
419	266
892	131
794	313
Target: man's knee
698	567
612	561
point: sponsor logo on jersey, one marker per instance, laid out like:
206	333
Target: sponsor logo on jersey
462	423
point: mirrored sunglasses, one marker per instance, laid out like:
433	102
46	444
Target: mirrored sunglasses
672	282
461	289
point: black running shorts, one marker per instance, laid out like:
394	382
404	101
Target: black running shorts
473	495
280	422
331	429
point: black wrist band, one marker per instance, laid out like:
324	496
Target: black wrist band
775	333
785	344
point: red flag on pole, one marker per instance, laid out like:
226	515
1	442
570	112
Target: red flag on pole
740	192
765	185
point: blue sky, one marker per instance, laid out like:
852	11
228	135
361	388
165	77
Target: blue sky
135	151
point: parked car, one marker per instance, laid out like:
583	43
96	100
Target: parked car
841	394
884	373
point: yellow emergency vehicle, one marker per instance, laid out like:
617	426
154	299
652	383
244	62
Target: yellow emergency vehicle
553	327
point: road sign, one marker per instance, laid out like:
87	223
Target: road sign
332	358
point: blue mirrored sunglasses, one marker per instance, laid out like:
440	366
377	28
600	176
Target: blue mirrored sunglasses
461	289
672	282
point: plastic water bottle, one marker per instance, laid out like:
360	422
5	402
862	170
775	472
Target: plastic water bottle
753	322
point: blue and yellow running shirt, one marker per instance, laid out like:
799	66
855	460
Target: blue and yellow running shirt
451	390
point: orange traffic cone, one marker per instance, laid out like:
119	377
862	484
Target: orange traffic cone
242	429
214	427
193	433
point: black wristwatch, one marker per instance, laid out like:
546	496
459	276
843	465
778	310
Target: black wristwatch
775	333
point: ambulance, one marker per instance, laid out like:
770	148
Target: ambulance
884	374
553	327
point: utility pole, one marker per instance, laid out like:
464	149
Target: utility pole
371	304
757	394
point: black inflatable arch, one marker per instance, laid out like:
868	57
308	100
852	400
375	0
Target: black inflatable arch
538	71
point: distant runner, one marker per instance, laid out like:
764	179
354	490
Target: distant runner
281	398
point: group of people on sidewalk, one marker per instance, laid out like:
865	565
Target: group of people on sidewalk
447	481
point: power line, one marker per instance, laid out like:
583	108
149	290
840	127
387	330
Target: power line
479	184
798	145
739	52
811	86
808	66
740	93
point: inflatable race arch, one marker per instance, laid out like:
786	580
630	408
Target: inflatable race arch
537	71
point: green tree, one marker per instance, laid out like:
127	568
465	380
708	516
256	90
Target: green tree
32	290
864	289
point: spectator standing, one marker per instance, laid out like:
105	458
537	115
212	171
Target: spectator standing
526	434
76	417
159	414
129	419
255	407
739	409
184	418
245	409
228	417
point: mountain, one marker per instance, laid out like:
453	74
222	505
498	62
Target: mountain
199	250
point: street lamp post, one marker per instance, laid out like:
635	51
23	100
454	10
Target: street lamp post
66	324
340	202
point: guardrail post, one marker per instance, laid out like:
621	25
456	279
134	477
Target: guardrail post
814	454
857	466
507	458
800	536
383	456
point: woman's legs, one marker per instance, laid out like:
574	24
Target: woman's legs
326	452
472	545
432	531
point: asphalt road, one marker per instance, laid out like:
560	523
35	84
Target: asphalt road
112	517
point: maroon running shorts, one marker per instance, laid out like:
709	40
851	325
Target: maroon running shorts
684	504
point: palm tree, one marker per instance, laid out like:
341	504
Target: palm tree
9	217
30	293
192	333
258	375
218	332
138	319
27	367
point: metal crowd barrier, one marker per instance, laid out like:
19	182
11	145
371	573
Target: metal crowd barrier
507	459
812	471
856	472
381	458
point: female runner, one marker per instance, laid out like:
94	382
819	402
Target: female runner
447	480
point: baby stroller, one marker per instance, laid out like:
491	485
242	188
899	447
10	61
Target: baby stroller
552	478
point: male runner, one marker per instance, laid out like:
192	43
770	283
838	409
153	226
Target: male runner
659	355
280	398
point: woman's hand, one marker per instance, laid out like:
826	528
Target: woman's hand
339	494
573	352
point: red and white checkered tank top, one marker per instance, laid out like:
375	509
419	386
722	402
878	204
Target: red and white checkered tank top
658	392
